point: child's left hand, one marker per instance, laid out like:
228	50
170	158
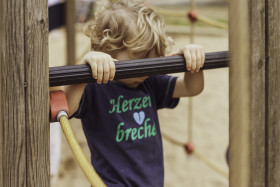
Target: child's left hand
194	55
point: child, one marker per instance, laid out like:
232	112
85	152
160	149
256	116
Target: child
119	117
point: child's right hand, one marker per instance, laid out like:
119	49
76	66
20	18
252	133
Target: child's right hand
102	66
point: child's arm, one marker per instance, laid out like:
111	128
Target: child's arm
193	81
103	70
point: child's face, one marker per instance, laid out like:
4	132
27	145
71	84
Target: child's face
131	82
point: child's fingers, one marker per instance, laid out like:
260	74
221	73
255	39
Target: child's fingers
193	57
188	59
99	71
88	59
198	60
202	57
93	66
106	71
112	69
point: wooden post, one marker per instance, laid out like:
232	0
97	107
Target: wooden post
239	97
70	30
24	113
273	93
254	93
257	92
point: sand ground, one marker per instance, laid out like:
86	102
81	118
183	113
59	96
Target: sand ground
209	119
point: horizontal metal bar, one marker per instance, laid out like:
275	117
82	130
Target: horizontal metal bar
67	75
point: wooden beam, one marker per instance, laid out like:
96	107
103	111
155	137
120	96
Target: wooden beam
70	31
239	95
254	95
36	62
257	91
12	118
273	93
24	93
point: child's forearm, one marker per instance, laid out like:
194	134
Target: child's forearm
189	85
194	82
74	94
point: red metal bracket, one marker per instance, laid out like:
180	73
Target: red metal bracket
58	102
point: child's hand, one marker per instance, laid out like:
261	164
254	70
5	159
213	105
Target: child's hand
194	55
102	66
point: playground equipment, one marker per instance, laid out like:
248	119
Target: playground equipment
190	149
65	75
59	112
254	93
193	16
80	74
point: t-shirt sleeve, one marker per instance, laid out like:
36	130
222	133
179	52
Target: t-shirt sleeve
163	88
85	102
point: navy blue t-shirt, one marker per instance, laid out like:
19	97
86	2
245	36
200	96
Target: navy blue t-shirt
122	129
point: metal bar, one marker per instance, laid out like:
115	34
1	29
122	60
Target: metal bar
67	75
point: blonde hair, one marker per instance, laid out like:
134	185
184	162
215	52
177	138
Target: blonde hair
128	25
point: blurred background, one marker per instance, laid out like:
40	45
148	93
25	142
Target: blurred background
202	120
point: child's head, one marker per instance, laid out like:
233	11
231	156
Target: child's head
128	25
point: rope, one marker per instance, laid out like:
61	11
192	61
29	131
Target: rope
171	140
199	155
190	120
190	104
86	167
199	17
169	12
212	22
210	164
192	4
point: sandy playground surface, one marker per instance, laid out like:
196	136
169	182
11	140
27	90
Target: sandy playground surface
210	120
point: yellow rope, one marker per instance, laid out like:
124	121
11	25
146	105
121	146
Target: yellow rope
199	155
210	164
212	22
192	4
200	17
86	167
166	12
172	140
190	105
190	120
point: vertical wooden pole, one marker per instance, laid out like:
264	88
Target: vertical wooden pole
36	92
273	92
255	93
70	29
239	97
24	93
13	131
